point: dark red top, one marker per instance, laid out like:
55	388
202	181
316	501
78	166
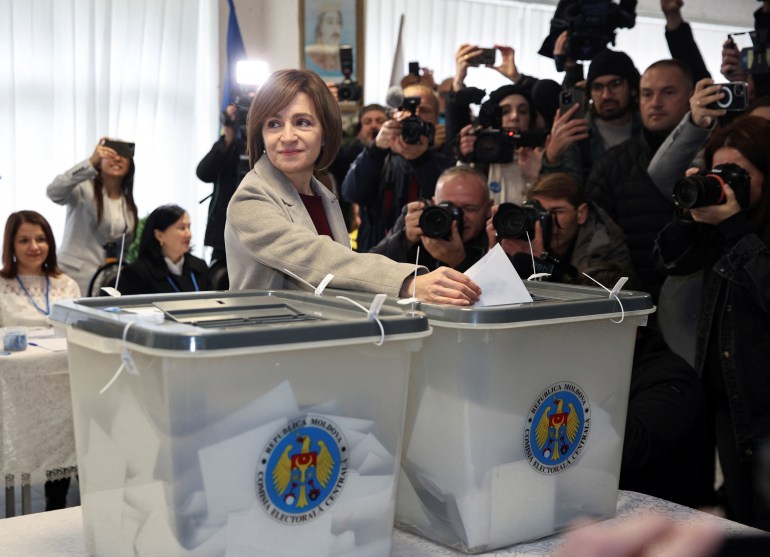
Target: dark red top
315	207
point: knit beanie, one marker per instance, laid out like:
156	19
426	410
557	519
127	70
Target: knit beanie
611	62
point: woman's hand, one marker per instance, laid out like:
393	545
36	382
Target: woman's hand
714	214
100	153
442	286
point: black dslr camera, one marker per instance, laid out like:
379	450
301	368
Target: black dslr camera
413	126
591	25
348	89
495	144
707	188
241	102
513	221
436	220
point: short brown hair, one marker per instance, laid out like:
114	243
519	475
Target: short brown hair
276	93
559	185
15	220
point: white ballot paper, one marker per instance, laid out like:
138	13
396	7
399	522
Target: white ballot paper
500	283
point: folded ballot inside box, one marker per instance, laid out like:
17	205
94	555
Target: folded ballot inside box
237	424
515	416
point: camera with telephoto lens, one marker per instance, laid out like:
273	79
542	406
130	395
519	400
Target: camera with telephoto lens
348	89
495	144
514	221
591	25
707	188
413	127
436	220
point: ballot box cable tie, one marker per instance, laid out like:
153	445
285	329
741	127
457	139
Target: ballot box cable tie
317	290
613	294
126	360
372	313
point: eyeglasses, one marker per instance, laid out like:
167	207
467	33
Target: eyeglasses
613	86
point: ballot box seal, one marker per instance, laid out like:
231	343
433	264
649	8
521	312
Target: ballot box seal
556	429
302	469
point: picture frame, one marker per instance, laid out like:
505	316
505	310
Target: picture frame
324	26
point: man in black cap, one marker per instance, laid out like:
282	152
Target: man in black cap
613	83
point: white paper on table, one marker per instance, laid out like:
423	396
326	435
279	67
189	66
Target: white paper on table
500	283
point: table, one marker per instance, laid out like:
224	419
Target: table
61	532
630	504
37	439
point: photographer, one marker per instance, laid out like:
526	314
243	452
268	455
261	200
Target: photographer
99	195
394	169
223	166
455	233
510	174
729	242
368	124
568	235
575	143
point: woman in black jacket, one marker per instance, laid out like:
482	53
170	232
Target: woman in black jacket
164	264
729	240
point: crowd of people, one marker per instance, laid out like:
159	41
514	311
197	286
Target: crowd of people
597	179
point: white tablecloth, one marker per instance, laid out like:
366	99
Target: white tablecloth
60	533
37	432
630	504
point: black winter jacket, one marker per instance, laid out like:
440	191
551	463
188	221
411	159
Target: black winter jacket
619	184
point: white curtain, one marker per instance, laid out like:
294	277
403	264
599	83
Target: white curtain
433	29
72	71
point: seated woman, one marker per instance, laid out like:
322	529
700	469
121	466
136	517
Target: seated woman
30	280
281	221
164	263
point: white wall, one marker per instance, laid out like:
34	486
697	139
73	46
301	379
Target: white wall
271	31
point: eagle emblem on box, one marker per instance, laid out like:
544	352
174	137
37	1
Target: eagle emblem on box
557	427
302	470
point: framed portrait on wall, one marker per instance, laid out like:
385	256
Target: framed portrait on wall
324	26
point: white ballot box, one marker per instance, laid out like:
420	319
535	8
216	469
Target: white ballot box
515	416
234	424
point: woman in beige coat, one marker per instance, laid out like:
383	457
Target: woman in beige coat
282	221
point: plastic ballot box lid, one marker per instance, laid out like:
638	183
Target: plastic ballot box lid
551	302
231	320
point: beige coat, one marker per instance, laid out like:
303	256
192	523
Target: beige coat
268	230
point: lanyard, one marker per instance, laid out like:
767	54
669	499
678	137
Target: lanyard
176	288
47	290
